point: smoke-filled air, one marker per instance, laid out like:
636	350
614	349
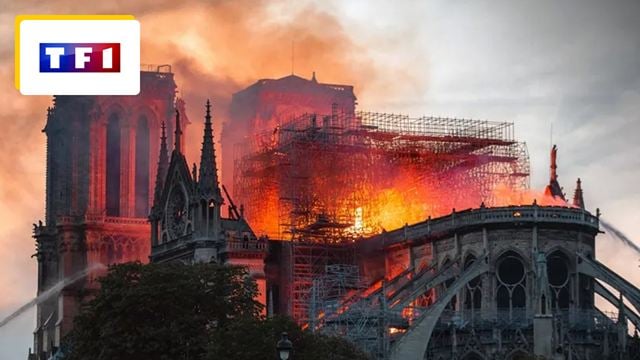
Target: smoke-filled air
436	58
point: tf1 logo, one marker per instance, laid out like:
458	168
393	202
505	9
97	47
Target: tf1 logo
77	55
83	57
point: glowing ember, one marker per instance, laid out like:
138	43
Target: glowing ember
358	225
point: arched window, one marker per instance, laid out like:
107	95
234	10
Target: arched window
451	306
142	168
511	285
211	211
203	210
518	355
110	253
473	291
559	280
113	166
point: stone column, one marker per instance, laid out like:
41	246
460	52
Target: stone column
543	330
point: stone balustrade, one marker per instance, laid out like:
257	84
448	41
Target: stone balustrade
483	216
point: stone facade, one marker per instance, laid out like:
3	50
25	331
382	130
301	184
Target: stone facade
186	219
509	283
96	146
512	326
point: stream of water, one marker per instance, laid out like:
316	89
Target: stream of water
54	290
619	235
614	232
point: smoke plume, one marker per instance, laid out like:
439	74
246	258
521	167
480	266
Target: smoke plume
215	48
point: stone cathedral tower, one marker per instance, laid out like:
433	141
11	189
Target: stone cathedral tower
101	166
186	219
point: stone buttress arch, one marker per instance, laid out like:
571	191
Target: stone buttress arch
413	344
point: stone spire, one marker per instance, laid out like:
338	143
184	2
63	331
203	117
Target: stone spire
553	174
578	200
177	146
554	189
208	177
163	165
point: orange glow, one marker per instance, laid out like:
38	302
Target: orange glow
265	221
373	288
378	198
391	208
386	204
408	313
504	196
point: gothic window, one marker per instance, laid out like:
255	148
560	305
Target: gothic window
452	304
512	285
113	166
211	211
109	254
473	290
142	168
559	280
203	210
426	299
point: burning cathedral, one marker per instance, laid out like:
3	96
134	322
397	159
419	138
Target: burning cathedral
414	238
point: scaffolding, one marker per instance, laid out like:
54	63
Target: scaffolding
309	261
338	309
325	180
336	177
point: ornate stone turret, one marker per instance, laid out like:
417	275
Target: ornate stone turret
208	185
543	327
554	189
188	225
163	164
623	330
578	200
543	306
177	146
207	189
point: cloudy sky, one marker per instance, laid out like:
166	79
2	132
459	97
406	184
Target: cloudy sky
573	66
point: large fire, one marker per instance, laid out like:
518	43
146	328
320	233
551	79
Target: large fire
365	208
391	207
504	196
344	176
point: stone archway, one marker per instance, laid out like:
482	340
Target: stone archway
413	344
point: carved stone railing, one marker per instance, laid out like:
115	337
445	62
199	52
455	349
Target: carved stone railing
235	244
164	68
522	318
116	220
239	245
532	214
100	219
169	245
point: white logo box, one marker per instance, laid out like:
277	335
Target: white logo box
31	30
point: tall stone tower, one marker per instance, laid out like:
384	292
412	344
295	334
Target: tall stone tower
186	219
101	164
264	105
